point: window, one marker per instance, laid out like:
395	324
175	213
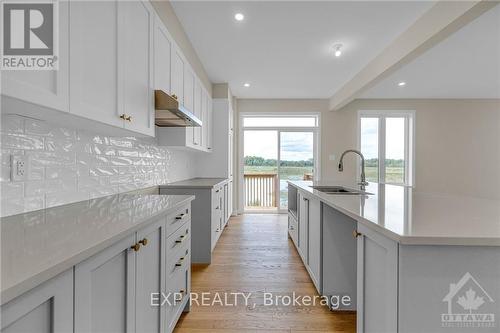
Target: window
280	121
386	141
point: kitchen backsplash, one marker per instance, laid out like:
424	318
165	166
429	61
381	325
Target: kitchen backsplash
68	165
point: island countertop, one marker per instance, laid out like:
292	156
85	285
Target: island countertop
411	217
196	183
39	245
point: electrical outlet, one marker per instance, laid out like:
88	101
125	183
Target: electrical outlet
19	167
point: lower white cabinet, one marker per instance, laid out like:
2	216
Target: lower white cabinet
105	290
377	282
118	289
46	308
308	235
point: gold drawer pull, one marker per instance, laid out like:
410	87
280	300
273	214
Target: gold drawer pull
123	116
174	96
129	118
180	240
355	233
180	262
180	217
144	241
136	247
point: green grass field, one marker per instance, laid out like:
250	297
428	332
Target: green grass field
394	175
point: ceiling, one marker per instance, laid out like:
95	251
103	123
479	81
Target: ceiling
283	49
465	65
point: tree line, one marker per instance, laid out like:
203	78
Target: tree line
260	161
373	162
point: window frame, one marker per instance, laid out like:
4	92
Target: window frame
382	115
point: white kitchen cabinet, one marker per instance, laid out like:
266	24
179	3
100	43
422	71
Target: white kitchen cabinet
314	242
135	61
93	54
43	87
46	309
377	282
220	163
177	78
293	229
303	223
198	112
105	295
207	121
162	57
150	276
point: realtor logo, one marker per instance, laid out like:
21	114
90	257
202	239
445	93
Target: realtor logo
29	34
467	301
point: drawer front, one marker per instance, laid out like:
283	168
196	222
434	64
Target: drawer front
179	238
177	290
177	218
179	260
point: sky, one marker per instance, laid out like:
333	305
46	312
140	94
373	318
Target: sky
395	145
295	146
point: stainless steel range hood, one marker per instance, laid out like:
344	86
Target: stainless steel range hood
168	112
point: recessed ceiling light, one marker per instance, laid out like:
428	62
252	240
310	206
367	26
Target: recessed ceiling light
402	84
337	48
239	17
246	85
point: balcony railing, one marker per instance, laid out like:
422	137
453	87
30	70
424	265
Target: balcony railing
261	190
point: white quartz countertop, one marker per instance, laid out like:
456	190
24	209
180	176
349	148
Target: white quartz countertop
196	183
39	245
411	217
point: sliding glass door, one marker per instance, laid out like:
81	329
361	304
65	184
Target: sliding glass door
276	149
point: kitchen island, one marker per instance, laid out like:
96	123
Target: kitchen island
407	259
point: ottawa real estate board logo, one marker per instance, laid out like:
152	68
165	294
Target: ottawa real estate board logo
468	305
29	35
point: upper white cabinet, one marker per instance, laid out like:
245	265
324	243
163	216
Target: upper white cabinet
94	53
162	57
136	22
45	88
177	78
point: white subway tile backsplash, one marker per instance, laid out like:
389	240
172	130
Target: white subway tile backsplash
68	165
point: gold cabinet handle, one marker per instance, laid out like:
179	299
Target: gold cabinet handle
136	247
180	240
180	217
174	96
180	262
129	118
123	116
355	233
144	241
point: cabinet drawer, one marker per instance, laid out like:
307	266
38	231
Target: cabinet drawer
179	260
177	218
178	291
179	238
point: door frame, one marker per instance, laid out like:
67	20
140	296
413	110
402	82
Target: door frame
241	158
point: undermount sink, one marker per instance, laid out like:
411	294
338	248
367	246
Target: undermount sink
339	190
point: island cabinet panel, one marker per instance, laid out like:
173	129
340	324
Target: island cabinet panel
46	309
105	290
303	223
377	282
339	257
314	243
150	278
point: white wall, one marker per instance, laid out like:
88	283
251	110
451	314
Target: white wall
457	141
69	165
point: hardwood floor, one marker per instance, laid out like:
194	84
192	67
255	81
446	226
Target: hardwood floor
254	255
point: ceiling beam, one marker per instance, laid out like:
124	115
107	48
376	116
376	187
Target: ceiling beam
440	21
